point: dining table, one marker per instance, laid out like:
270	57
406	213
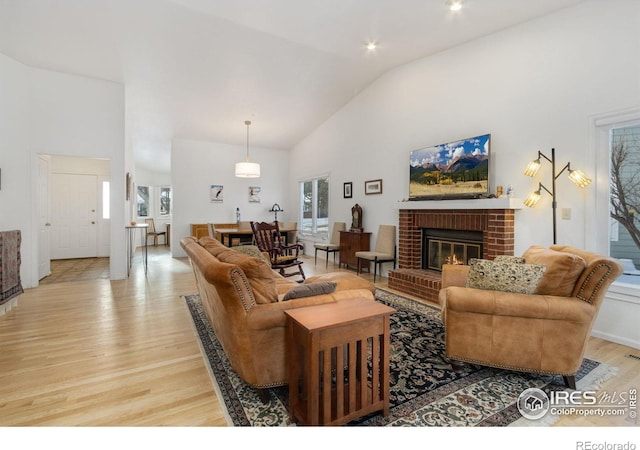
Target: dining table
227	234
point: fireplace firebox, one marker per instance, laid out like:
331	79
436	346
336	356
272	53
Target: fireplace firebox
441	247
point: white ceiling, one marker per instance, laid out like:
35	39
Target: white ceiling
197	69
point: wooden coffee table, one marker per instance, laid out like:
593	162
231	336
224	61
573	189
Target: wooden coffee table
339	361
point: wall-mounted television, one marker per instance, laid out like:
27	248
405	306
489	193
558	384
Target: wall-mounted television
458	169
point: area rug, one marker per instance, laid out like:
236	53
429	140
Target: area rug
424	389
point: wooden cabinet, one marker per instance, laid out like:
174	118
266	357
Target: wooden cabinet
350	243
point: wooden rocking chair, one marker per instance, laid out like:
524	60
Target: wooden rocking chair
269	240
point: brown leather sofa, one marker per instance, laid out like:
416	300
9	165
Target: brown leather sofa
243	301
543	332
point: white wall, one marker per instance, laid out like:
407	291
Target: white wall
533	87
79	116
196	165
536	86
14	156
47	112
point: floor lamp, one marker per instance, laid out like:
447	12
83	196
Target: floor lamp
576	176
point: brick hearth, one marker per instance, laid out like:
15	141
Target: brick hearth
497	226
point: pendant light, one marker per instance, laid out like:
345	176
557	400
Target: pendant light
247	169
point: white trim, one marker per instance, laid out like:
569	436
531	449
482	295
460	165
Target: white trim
597	205
616	321
480	203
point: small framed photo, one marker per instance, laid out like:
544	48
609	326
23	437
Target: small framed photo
346	190
216	193
254	194
373	187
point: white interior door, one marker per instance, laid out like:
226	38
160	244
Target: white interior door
73	216
44	219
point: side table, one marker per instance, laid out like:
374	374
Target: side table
131	246
339	361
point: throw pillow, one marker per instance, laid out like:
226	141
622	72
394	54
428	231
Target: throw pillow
507	258
310	289
258	273
252	250
563	270
504	276
285	259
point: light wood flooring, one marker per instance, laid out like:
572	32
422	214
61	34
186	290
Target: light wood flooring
78	269
124	353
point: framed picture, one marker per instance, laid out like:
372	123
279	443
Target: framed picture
373	187
216	193
254	194
346	190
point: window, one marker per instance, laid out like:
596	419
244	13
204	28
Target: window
624	236
165	201
314	205
143	201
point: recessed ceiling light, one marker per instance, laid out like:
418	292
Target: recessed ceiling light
454	5
371	45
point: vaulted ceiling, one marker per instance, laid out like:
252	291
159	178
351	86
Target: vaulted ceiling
197	69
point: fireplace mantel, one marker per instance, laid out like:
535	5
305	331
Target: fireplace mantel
480	203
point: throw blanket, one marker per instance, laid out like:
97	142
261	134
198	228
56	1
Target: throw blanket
10	284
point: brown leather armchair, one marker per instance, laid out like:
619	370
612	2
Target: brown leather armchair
543	332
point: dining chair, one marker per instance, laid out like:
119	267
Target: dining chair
334	243
384	250
243	240
152	232
291	235
212	230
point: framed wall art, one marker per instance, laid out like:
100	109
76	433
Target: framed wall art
346	190
254	194
373	187
216	193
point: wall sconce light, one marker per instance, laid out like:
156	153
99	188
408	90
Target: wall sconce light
247	169
576	176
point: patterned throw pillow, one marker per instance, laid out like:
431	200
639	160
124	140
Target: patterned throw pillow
251	250
310	289
507	258
504	276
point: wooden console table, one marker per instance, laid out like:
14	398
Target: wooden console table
350	243
338	361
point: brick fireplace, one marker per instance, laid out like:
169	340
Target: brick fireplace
495	222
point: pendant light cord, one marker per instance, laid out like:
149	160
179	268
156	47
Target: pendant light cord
247	123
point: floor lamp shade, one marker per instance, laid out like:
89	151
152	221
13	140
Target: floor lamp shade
576	176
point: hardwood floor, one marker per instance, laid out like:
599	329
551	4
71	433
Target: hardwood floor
77	270
124	353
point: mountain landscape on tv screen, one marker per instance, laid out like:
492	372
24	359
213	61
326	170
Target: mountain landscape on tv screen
457	168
